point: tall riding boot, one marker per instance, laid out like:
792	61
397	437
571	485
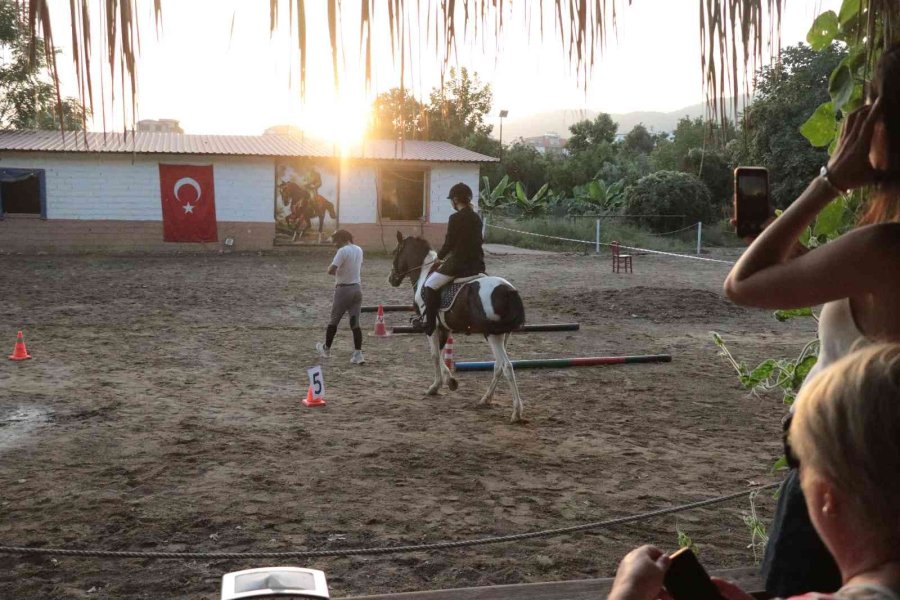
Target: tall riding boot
432	300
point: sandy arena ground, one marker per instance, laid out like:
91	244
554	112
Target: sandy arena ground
162	411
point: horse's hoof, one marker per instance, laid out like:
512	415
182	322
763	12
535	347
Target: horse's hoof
484	402
432	391
518	420
453	384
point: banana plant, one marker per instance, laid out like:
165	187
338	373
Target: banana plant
491	199
534	206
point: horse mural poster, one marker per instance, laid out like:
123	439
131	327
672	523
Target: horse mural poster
305	199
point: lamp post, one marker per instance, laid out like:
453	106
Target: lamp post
503	114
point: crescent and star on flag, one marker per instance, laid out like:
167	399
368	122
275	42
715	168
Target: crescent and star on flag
188	207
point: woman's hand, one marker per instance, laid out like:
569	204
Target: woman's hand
640	575
849	166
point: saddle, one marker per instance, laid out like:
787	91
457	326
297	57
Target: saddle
450	291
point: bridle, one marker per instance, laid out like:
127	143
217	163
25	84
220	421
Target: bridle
400	276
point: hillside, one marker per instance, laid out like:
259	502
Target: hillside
558	121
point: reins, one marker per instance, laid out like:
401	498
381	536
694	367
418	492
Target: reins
422	266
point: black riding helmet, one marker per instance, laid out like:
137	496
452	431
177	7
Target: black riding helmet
460	191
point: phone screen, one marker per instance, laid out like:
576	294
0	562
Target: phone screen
751	202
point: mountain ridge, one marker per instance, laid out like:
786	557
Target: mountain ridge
558	121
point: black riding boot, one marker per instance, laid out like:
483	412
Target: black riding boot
432	300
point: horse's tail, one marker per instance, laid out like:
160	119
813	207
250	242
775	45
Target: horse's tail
330	208
507	303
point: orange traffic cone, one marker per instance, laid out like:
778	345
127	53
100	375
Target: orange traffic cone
311	401
380	330
448	353
19	352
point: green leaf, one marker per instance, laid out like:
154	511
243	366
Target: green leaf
759	374
802	370
823	30
849	10
784	315
804	237
520	192
780	464
830	219
820	128
840	85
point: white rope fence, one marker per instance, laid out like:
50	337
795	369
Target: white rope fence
598	243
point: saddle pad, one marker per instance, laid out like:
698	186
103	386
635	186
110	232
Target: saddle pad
449	293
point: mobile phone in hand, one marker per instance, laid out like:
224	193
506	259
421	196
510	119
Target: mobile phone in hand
752	206
686	579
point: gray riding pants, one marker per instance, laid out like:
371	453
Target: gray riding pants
347	299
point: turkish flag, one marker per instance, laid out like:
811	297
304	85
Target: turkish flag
188	203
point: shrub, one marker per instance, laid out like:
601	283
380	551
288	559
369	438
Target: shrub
669	193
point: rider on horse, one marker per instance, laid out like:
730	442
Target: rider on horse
460	256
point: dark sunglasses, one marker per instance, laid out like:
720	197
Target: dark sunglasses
792	461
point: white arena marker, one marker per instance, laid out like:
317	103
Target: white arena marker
316	394
273	582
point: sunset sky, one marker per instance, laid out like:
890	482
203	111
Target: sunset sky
215	80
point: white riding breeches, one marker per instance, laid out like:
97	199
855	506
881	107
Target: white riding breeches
437	280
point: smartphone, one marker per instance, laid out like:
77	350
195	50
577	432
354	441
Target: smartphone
686	578
752	207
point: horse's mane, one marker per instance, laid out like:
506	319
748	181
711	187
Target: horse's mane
419	241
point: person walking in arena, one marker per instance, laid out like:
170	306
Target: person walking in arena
346	267
460	256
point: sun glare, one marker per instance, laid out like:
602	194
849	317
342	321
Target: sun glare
342	122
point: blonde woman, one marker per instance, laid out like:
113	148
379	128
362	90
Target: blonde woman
845	441
856	277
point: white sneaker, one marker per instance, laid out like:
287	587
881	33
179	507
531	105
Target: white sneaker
322	350
357	357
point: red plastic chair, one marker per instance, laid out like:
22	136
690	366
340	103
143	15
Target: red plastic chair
620	260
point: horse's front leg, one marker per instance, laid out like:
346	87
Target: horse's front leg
434	344
446	374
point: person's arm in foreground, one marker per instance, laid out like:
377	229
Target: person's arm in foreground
769	277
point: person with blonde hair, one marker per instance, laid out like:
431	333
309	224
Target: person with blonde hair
855	277
845	441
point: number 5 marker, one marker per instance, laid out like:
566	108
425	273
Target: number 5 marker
315	396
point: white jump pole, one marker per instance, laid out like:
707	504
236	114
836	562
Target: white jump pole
597	238
699	235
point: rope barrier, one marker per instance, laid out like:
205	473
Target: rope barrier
648	250
20	550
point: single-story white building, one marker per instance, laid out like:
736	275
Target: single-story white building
166	191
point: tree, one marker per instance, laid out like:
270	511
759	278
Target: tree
397	114
587	134
787	94
669	193
27	95
639	140
456	113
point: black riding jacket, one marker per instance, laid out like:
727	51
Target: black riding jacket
462	246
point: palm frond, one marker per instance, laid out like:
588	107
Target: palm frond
737	36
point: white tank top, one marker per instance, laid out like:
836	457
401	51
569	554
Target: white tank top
838	336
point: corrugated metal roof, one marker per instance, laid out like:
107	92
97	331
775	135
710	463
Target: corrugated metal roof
145	142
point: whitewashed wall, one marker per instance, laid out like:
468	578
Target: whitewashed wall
359	194
112	187
445	176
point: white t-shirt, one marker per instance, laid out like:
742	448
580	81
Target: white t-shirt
348	261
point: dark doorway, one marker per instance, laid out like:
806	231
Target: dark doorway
21	197
22	192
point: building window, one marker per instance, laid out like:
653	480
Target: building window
22	192
402	194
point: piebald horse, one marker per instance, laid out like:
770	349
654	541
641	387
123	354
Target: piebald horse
488	305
